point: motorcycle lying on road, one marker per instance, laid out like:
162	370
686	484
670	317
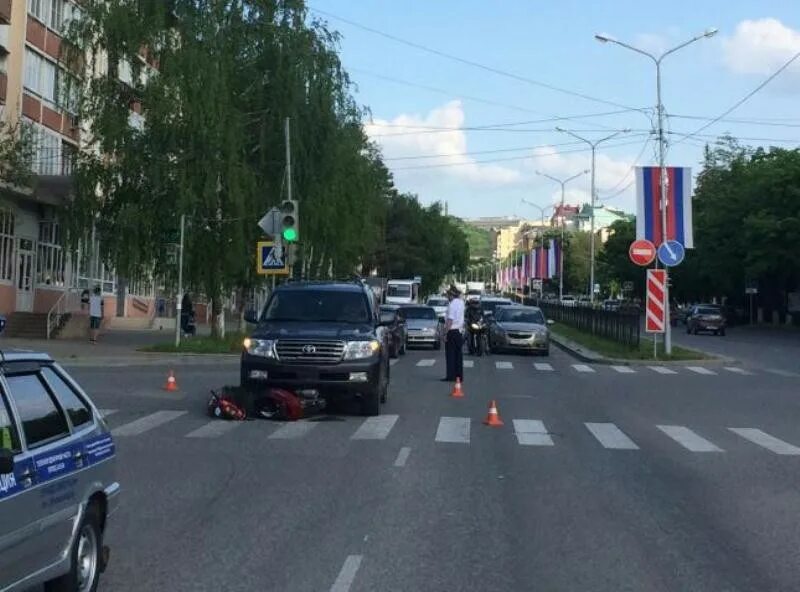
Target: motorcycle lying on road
478	338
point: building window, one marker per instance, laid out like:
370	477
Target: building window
40	75
6	245
50	267
83	276
51	156
51	12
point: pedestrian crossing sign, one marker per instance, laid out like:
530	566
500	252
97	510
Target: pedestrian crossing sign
271	259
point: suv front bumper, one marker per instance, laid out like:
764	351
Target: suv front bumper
348	376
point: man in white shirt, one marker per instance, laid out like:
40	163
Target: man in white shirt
454	344
95	314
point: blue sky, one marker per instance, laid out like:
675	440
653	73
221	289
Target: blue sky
553	43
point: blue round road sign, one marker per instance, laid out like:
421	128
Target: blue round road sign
671	253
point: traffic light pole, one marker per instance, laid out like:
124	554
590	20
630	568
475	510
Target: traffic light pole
179	297
287	131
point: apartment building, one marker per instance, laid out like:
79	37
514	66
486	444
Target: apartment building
36	271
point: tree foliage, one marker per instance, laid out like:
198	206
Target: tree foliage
16	154
422	241
212	145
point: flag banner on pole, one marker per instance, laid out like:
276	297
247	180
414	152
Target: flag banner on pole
554	252
679	205
532	264
524	269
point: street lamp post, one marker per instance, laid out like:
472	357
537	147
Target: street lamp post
661	152
563	184
593	146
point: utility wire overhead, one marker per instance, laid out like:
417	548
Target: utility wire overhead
509	159
474	64
741	101
495	151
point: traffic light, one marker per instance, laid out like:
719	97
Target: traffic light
290	220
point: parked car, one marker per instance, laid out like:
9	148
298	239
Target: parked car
58	487
321	336
516	327
392	317
424	326
611	305
439	304
706	317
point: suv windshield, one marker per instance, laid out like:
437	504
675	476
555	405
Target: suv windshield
708	310
510	315
490	305
419	312
437	302
317	306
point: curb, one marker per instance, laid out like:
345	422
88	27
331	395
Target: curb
589	356
166	360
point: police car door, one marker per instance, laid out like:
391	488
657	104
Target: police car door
19	521
53	499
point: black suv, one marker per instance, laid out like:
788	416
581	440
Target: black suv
324	336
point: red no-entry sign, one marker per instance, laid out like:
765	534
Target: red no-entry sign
642	252
656	301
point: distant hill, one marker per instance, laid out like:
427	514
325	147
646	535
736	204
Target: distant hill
479	240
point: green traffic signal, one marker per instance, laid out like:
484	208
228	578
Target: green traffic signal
289	235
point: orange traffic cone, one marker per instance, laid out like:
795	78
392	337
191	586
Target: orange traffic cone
457	392
172	384
493	419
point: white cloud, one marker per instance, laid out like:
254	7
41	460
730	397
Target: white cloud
447	146
762	46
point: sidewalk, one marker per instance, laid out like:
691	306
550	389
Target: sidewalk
115	348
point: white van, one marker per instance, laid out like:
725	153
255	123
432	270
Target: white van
402	292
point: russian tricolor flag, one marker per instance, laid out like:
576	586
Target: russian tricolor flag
679	205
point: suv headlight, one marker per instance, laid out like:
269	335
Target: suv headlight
264	348
355	350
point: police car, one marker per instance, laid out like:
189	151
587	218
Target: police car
57	478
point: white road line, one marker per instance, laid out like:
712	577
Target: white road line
107	412
426	363
501	365
543	366
531	432
737	370
214	429
764	440
375	428
146	423
701	370
469	363
393	361
347	574
454	430
292	431
610	436
785	373
689	439
583	368
402	456
662	370
624	369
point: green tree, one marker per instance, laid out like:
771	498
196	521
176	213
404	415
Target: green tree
613	262
16	154
576	262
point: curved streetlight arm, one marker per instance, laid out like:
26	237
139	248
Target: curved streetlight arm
657	60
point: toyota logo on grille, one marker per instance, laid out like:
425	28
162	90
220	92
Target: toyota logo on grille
309	349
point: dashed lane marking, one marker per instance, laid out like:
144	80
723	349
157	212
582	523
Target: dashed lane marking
531	432
610	436
689	439
453	430
426	363
146	423
375	428
214	429
662	370
764	440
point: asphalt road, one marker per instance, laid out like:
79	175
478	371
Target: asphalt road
580	490
761	346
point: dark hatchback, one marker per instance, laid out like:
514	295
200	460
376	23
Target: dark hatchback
320	336
706	317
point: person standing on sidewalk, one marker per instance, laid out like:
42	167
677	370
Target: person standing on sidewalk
95	314
454	344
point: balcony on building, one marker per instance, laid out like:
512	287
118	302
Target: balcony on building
5	11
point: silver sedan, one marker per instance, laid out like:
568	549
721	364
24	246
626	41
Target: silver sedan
520	328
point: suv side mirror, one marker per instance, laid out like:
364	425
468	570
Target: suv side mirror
251	317
6	461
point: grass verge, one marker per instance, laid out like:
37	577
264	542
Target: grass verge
612	349
231	344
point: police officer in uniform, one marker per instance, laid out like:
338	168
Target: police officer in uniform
454	340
